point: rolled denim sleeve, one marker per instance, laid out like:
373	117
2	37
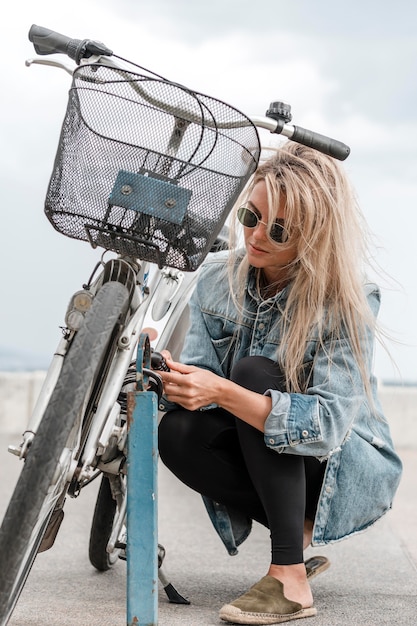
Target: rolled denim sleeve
317	423
294	420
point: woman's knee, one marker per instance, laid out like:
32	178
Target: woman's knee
258	373
173	436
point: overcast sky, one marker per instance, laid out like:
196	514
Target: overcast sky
348	69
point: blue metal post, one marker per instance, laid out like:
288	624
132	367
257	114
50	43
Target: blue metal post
142	502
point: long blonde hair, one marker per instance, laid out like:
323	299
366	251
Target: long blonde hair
326	293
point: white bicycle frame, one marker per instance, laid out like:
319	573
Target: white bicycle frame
161	308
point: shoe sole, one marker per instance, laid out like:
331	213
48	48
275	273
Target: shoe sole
232	614
316	565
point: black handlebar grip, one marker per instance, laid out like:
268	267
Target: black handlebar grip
332	147
47	41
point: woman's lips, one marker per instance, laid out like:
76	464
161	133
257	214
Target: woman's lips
255	250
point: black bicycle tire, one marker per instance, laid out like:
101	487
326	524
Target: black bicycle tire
80	365
101	527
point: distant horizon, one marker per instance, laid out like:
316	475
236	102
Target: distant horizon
15	360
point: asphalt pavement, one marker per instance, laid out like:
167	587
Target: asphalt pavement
372	578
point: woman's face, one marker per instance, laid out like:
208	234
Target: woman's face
262	252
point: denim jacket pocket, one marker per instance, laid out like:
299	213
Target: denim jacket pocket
225	349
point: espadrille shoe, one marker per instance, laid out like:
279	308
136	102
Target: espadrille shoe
315	565
264	603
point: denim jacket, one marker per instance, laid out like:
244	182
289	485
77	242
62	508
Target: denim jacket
331	421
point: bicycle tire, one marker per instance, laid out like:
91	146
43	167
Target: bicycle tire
101	529
26	519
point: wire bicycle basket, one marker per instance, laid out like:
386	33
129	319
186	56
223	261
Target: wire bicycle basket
147	168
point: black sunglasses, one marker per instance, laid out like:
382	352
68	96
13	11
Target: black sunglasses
247	217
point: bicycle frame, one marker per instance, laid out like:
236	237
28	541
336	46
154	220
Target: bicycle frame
161	308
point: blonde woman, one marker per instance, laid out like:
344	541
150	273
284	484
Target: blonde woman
276	417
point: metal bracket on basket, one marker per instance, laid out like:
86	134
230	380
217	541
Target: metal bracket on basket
150	196
158	203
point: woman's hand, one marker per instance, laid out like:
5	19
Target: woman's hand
191	387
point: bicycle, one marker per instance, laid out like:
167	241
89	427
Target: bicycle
147	170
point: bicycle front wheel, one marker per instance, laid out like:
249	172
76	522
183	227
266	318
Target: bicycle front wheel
44	477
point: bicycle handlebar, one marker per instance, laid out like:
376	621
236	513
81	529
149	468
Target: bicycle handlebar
321	143
327	145
47	41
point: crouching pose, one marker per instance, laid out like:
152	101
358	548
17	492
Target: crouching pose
275	416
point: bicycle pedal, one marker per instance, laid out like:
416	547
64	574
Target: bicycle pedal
123	556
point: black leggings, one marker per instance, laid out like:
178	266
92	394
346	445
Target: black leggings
227	460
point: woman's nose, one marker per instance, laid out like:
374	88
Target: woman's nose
260	230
